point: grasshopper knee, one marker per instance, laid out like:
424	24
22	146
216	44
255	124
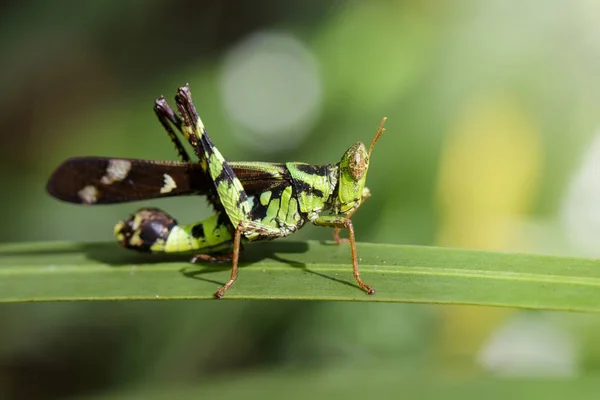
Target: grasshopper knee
145	229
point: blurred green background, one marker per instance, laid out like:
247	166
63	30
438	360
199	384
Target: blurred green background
491	142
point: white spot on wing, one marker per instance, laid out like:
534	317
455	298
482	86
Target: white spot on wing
169	184
116	171
88	194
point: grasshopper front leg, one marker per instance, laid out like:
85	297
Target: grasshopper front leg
338	222
336	232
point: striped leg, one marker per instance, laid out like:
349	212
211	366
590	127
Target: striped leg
228	188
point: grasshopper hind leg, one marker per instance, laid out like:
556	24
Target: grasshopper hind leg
153	230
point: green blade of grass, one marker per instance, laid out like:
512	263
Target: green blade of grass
306	271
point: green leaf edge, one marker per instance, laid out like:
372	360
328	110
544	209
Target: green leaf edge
286	270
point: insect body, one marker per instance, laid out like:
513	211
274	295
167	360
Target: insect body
252	200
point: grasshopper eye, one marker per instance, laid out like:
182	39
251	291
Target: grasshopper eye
357	165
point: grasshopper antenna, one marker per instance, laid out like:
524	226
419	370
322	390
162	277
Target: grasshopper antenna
380	130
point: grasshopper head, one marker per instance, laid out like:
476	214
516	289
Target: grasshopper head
353	174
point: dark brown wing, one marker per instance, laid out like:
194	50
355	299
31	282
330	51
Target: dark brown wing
258	177
100	180
89	180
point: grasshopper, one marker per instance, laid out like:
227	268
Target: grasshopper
252	201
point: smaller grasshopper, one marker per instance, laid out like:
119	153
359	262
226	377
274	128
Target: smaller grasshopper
252	200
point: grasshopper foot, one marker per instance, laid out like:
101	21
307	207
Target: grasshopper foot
219	293
212	259
366	288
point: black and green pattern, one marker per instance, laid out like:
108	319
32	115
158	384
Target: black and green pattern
251	200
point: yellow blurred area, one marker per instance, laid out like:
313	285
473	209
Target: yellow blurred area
488	179
489	174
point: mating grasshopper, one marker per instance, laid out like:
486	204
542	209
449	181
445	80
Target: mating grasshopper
252	200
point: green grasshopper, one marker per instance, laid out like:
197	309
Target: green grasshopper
252	200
